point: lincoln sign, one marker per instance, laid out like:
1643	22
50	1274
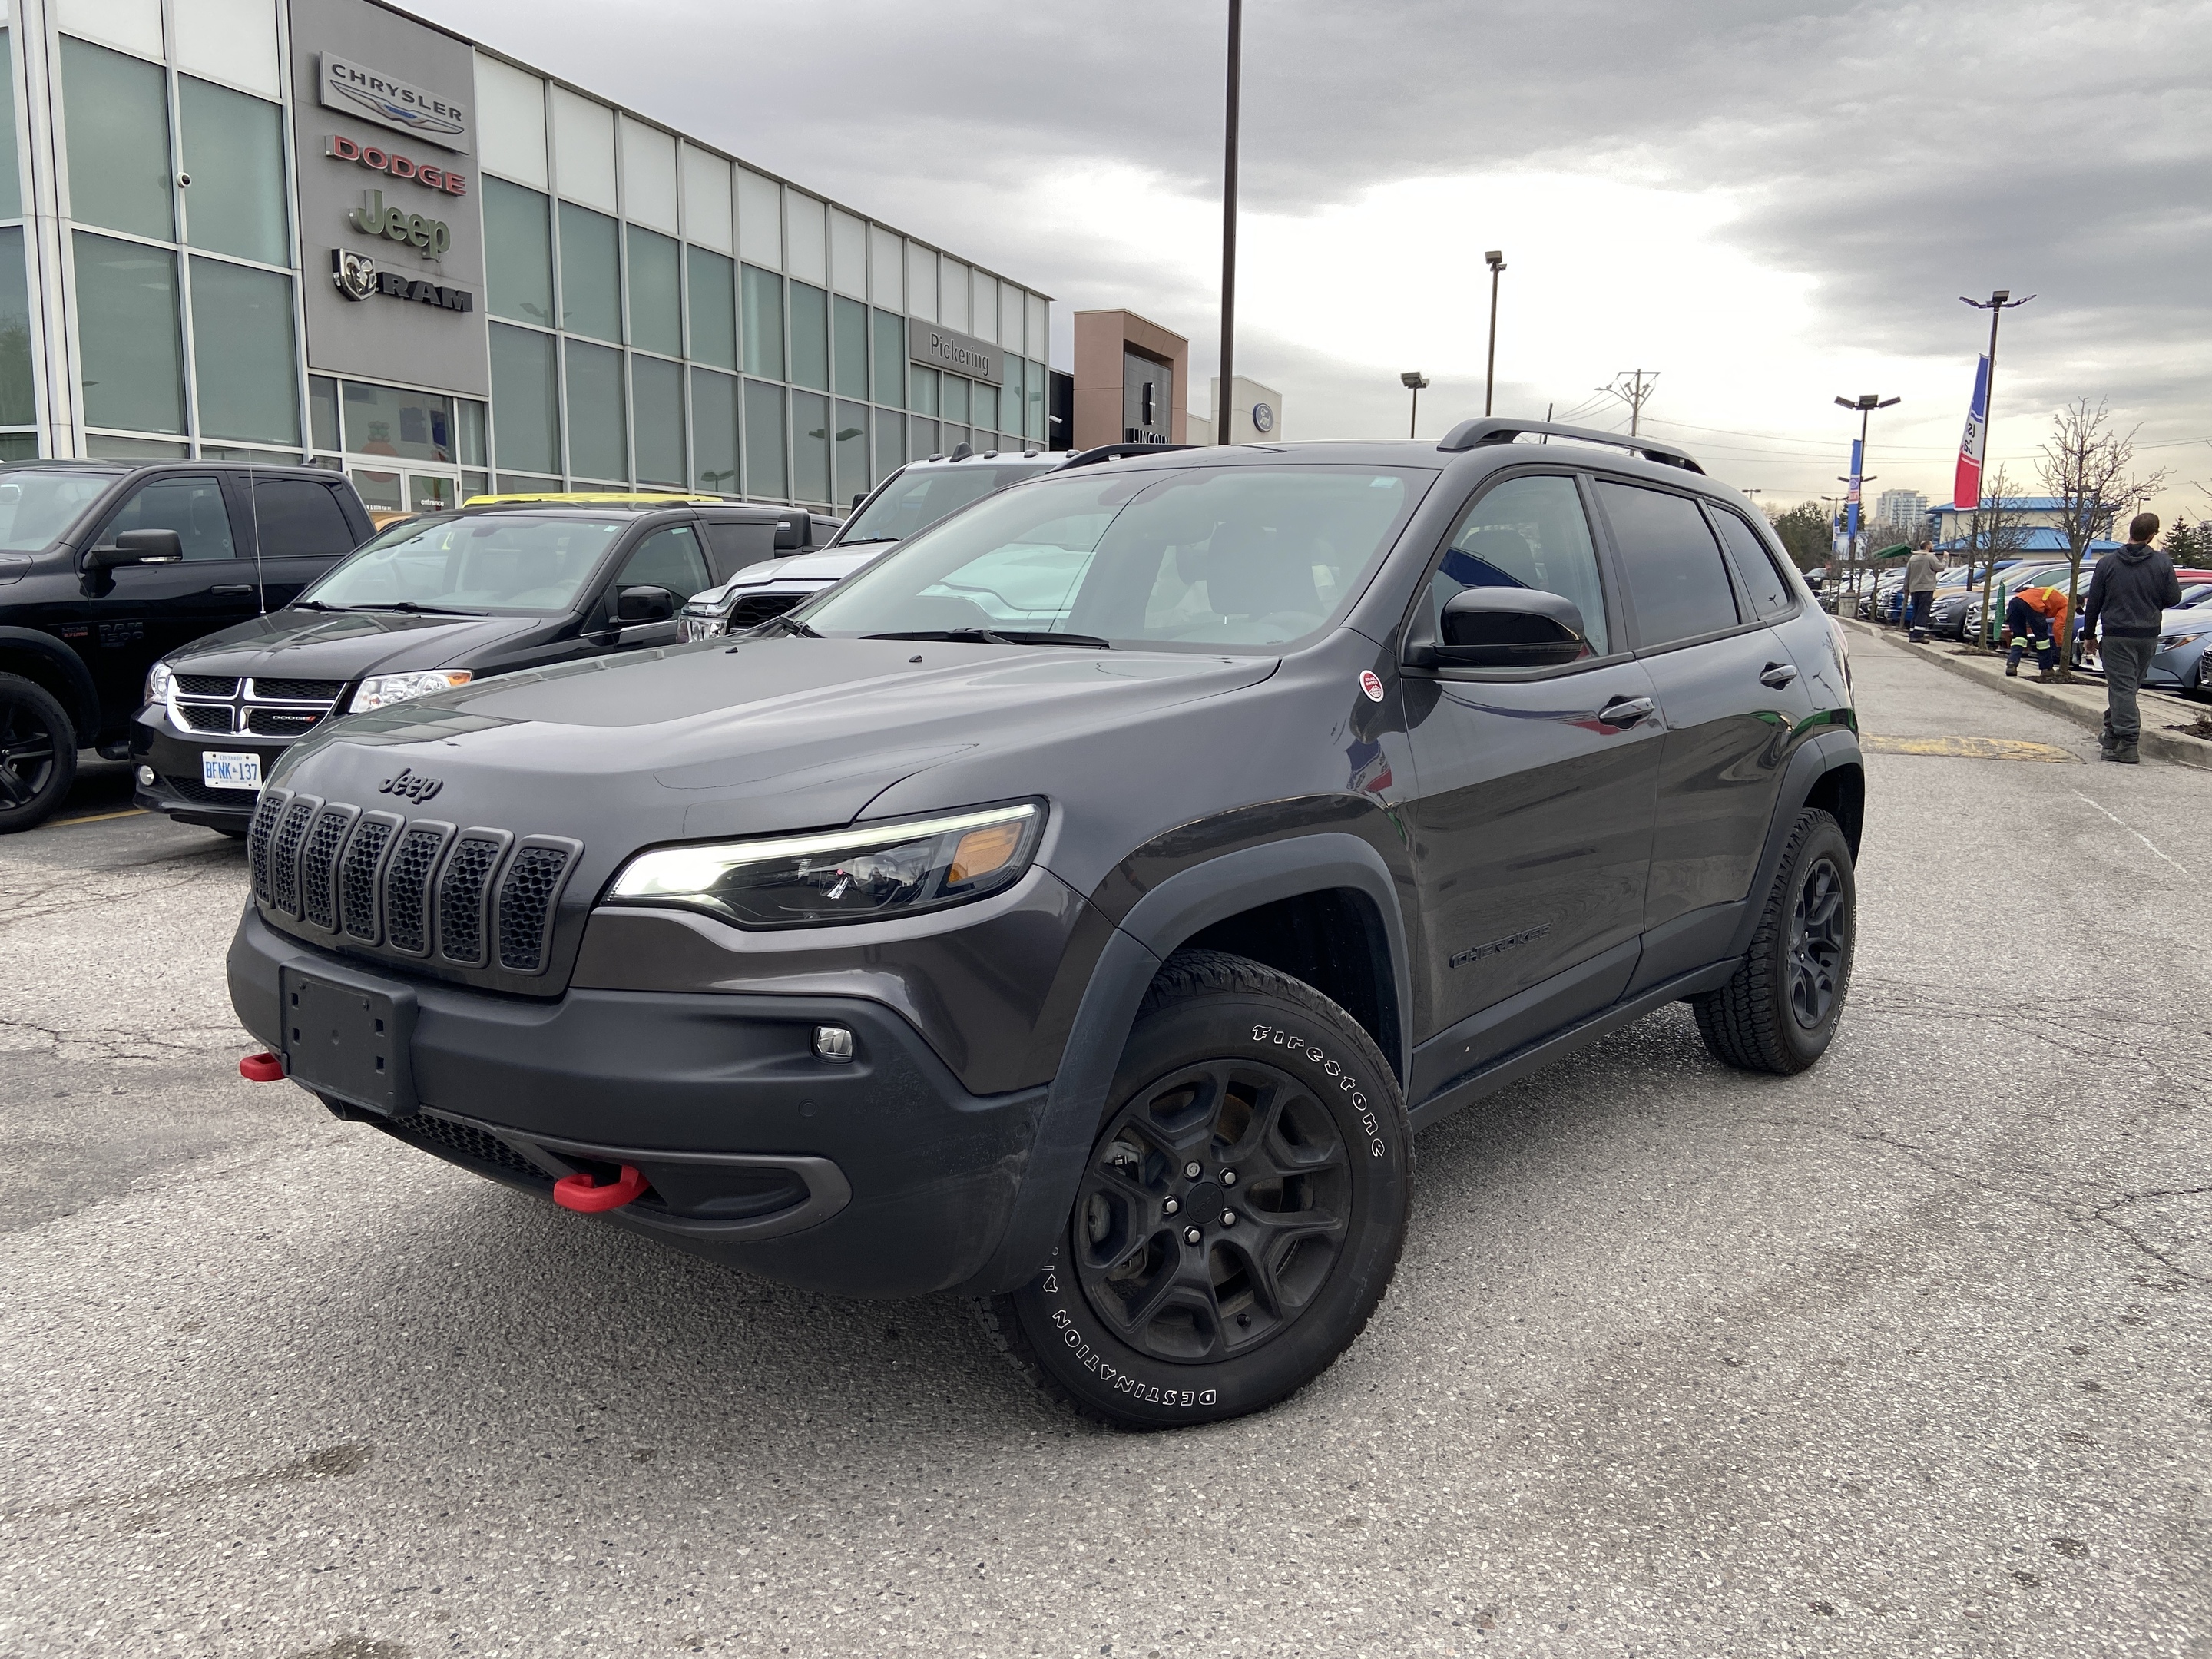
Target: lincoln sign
962	354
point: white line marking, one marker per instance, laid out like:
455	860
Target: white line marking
2129	828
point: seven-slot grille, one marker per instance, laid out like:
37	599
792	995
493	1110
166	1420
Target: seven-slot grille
265	708
472	898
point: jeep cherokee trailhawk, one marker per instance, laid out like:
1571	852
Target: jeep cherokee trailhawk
1080	909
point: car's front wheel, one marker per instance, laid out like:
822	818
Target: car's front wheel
38	753
1241	1214
1779	1011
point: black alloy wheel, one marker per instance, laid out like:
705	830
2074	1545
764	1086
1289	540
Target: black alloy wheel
1241	1213
1779	1011
38	753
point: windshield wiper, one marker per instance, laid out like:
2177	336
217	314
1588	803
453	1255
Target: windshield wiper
314	605
415	610
859	541
791	624
997	636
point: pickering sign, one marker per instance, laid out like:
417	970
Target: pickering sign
357	90
962	354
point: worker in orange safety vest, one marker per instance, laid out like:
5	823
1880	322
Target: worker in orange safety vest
2034	617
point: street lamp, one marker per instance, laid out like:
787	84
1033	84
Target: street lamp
1496	260
1412	380
1999	302
1866	403
1227	412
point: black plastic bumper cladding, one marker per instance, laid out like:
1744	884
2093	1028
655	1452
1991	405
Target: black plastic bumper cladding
678	1079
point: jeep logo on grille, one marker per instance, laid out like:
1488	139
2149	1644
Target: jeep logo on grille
408	786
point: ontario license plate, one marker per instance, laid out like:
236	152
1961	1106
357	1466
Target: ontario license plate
350	1041
221	771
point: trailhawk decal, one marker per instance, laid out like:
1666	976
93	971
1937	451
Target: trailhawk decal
1275	1038
1103	1369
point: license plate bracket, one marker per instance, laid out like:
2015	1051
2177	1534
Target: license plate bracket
221	770
350	1039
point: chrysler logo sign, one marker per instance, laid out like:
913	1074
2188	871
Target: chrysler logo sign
361	91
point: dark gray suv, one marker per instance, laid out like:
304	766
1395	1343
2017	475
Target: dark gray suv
1081	909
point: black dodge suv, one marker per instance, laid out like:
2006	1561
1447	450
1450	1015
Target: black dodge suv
433	602
1081	909
105	565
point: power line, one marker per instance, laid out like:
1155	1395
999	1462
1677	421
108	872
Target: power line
1636	394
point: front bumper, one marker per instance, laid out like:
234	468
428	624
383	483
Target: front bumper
175	757
880	1177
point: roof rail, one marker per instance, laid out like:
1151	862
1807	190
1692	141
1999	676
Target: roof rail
1112	452
1478	434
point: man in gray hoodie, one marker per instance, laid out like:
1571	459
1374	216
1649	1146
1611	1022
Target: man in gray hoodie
2128	594
1921	571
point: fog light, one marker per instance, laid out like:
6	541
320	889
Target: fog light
833	1042
146	776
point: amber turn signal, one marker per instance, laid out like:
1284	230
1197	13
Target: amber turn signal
981	851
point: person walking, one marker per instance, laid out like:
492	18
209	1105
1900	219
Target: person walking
1921	571
2128	594
2033	616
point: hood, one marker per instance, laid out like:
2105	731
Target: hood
765	736
2131	553
832	564
2191	622
343	645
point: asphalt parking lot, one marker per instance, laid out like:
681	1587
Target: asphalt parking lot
1910	1354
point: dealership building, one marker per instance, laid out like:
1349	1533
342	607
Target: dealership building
329	230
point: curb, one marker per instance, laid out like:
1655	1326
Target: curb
2196	753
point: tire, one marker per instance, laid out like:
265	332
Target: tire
38	754
1780	1011
1246	1071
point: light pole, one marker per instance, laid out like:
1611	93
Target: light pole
1227	412
1999	302
1866	403
1496	260
1412	380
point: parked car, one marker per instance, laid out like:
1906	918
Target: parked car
429	604
1080	907
2025	574
917	495
2179	664
105	566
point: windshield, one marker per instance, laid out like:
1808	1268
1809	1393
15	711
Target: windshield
487	562
917	500
1199	557
36	508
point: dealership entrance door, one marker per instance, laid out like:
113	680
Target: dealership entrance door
406	450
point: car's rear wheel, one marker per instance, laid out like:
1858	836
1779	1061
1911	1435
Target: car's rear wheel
1241	1214
38	753
1780	1011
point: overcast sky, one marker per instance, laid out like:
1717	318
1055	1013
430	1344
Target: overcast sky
1770	201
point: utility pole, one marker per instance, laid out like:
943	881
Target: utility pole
1637	392
1496	260
1866	403
1225	418
1999	302
1412	380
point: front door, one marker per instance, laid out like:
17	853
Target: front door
141	612
1533	831
669	558
1734	704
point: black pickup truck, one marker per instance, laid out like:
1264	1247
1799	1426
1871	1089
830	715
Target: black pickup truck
107	566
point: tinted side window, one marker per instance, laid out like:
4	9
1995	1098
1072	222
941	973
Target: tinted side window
667	558
1770	590
1672	565
1528	533
296	518
192	506
732	545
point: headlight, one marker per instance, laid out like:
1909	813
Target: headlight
382	689
690	628
159	682
2169	641
842	875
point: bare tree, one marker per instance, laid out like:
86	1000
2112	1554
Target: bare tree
2085	468
1998	531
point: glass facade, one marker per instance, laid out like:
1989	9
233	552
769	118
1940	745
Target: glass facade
651	313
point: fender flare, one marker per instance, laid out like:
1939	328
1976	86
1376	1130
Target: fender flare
1814	759
82	696
1184	904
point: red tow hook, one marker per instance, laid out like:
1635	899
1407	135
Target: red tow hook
263	1067
581	1193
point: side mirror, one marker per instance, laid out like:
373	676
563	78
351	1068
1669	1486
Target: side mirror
644	605
1511	627
137	547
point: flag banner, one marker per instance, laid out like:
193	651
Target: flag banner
1967	486
1851	500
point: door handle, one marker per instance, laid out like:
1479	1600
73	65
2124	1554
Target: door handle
231	589
1778	675
1626	711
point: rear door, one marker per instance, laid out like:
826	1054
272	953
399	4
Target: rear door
144	611
1533	829
299	528
1734	703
